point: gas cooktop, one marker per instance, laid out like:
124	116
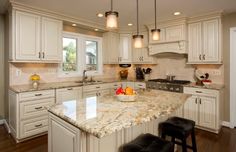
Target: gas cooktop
164	84
171	82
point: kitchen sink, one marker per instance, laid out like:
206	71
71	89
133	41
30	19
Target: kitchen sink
89	82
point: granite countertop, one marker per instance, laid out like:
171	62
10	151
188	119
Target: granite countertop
58	85
101	116
211	86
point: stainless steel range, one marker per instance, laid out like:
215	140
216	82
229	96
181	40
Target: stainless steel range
164	84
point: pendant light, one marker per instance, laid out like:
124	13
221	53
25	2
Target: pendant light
138	39
155	32
112	18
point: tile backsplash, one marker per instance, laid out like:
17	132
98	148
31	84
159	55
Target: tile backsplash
176	65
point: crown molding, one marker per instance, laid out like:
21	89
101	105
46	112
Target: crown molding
56	15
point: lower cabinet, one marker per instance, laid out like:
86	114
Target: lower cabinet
68	94
204	107
63	137
28	116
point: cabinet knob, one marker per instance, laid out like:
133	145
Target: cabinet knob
70	89
198	91
38	94
39	125
38	108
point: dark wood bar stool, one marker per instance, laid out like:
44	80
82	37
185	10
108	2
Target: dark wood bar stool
179	128
148	143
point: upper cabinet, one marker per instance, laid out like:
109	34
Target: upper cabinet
204	38
125	54
173	38
141	55
34	38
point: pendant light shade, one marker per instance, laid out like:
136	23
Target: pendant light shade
155	32
112	18
138	39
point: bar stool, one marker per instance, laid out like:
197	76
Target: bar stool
179	128
148	143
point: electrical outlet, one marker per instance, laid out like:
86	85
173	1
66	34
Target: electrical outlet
18	72
216	72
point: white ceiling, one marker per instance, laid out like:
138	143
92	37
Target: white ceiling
87	9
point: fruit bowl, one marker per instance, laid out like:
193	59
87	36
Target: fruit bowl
126	98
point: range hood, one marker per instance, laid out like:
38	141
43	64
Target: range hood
179	47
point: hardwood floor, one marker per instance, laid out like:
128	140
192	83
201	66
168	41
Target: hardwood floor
206	142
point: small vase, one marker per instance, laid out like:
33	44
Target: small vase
35	84
146	77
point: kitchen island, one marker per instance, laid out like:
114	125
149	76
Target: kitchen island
103	124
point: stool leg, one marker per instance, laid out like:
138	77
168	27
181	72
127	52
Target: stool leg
184	145
194	145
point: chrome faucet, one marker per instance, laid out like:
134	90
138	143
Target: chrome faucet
84	76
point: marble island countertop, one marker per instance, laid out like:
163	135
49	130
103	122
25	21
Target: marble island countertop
101	116
210	86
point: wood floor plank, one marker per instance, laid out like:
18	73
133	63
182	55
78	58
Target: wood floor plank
206	142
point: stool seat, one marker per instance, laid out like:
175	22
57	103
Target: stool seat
148	143
178	127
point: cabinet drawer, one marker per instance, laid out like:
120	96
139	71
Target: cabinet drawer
115	85
66	94
140	85
200	91
31	109
96	87
33	126
36	95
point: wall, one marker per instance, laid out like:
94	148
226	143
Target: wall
229	21
2	94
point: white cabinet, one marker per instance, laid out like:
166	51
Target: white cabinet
51	39
125	55
204	42
65	94
63	137
27	34
207	112
175	33
141	55
96	90
204	107
28	115
34	38
111	48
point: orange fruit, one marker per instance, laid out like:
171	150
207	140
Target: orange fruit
129	91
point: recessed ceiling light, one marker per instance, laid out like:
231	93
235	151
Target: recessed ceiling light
99	15
96	29
130	24
74	24
177	13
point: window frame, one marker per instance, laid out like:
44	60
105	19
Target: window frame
81	55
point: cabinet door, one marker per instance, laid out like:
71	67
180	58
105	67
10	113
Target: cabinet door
90	94
136	55
175	33
67	94
111	48
195	42
191	109
62	138
51	39
125	48
104	92
27	36
207	112
211	41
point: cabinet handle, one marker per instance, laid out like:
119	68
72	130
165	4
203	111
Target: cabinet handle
38	94
43	54
200	101
39	54
39	125
200	57
142	58
203	57
140	85
38	108
198	91
196	100
70	89
97	87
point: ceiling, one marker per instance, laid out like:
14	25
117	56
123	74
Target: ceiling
87	9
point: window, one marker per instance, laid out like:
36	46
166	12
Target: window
69	54
81	52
